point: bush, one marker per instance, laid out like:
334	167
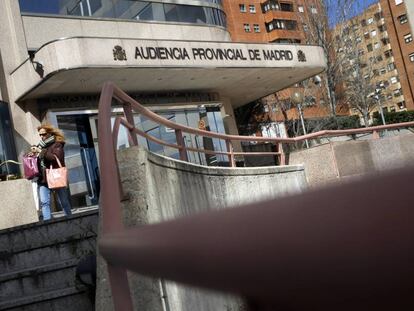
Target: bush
393	117
320	124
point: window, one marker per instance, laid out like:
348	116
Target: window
282	24
388	54
382	28
398	2
252	8
287	7
305	27
369	47
401	104
411	56
370	20
403	19
397	92
300	8
358	39
363	23
246	27
256	27
393	80
366	35
377	45
408	38
378	16
7	150
391	66
373	33
382	71
314	10
242	8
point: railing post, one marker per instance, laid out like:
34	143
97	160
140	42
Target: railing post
231	155
375	135
130	118
181	144
282	155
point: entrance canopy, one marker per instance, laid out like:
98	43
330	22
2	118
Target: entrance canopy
238	71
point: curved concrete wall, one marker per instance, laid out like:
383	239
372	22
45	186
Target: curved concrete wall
160	188
42	29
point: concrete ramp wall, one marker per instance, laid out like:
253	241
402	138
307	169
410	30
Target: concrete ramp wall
160	188
337	160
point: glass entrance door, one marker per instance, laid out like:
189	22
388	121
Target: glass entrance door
81	159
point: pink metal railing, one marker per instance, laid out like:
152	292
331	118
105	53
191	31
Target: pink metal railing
141	249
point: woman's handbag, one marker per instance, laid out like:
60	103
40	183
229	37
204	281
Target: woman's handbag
57	177
30	167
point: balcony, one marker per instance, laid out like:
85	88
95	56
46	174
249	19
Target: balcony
284	33
271	15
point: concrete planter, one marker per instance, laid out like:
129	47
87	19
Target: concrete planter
17	203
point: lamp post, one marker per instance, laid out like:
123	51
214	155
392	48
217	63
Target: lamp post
297	99
377	98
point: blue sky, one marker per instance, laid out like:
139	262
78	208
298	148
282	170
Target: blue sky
51	6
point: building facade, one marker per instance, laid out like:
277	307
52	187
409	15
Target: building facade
399	27
175	57
371	71
284	22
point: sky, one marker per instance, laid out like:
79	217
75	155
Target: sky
358	7
51	6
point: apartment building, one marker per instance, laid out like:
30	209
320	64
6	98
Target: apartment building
369	61
283	22
399	19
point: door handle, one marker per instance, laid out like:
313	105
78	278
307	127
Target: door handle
88	171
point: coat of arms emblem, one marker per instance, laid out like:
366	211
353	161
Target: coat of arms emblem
119	53
301	56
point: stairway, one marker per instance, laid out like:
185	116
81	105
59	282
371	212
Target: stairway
38	264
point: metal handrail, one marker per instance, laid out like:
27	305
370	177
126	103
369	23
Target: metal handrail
131	105
120	248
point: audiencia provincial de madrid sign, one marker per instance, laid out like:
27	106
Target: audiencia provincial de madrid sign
195	53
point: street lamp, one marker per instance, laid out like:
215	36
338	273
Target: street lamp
376	95
297	99
377	98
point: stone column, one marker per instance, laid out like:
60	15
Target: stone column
13	52
227	113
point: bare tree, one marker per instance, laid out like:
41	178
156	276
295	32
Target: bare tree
361	54
318	20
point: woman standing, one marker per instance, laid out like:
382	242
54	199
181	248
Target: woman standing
51	144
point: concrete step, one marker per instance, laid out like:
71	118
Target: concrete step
56	251
37	279
34	235
38	264
71	298
48	242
